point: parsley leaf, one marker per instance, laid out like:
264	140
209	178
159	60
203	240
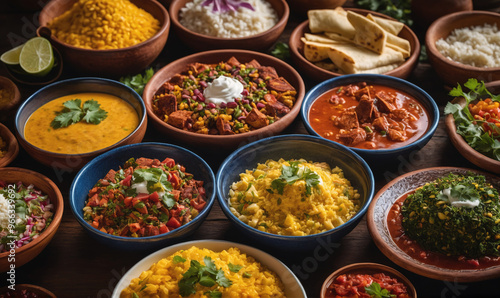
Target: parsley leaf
178	259
234	268
139	81
206	275
74	113
375	291
291	174
281	51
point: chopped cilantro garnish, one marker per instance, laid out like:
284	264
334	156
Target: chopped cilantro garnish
73	112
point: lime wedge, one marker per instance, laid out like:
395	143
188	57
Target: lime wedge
11	57
36	56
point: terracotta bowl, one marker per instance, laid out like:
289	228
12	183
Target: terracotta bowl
301	7
213	57
26	289
449	71
377	225
72	162
13	101
477	158
319	74
368	268
29	251
200	42
12	146
115	62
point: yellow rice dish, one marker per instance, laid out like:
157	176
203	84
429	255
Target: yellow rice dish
293	198
247	277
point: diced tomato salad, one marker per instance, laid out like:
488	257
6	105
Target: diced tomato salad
145	197
487	112
353	285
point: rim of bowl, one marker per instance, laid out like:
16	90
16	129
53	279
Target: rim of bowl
164	27
176	22
12	146
233	156
143	117
457	16
16	96
295	109
78	213
296	39
56	220
434	112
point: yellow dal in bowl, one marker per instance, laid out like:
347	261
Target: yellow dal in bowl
252	280
81	137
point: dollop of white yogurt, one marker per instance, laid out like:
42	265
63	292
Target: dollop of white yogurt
223	90
459	203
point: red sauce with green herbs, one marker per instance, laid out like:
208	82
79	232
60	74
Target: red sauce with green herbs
414	250
353	285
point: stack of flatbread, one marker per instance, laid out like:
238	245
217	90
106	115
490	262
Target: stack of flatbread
347	42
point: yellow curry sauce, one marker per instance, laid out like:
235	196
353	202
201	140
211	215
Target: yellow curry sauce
81	137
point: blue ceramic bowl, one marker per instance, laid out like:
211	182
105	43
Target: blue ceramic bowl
310	148
73	162
87	177
376	156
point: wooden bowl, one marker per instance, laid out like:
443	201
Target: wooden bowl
320	74
29	251
368	268
301	7
200	42
214	57
73	162
115	62
472	155
27	289
12	146
449	71
377	225
15	98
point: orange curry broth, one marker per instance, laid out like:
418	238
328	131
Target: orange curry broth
323	112
414	250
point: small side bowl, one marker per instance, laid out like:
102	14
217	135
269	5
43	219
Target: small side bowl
71	162
449	71
377	156
368	268
288	147
115	62
12	146
319	74
7	84
27	252
88	176
200	42
214	57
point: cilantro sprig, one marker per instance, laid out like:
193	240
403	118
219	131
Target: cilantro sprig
291	174
281	51
74	112
139	81
375	291
156	180
469	128
206	275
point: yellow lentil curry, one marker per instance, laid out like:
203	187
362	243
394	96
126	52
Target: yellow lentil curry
293	198
248	278
104	24
81	137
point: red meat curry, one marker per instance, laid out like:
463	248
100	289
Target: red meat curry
368	116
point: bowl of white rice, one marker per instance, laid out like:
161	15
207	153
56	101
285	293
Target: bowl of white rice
465	45
233	24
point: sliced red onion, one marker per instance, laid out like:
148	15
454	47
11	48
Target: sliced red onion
260	105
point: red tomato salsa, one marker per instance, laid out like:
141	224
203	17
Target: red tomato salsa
368	116
353	285
144	198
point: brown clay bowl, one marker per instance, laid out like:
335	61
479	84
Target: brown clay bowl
377	225
319	74
213	57
27	289
15	98
301	7
12	146
477	158
115	62
368	268
449	71
200	42
29	251
72	162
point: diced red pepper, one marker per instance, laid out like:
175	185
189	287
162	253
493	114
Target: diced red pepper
142	197
169	162
173	223
134	227
163	229
126	181
154	197
198	204
174	179
127	201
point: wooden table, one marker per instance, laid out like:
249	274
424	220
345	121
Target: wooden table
75	265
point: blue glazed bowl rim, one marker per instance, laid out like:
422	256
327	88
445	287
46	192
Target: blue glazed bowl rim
223	201
78	213
143	117
434	112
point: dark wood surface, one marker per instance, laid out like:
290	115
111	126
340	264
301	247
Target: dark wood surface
75	265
